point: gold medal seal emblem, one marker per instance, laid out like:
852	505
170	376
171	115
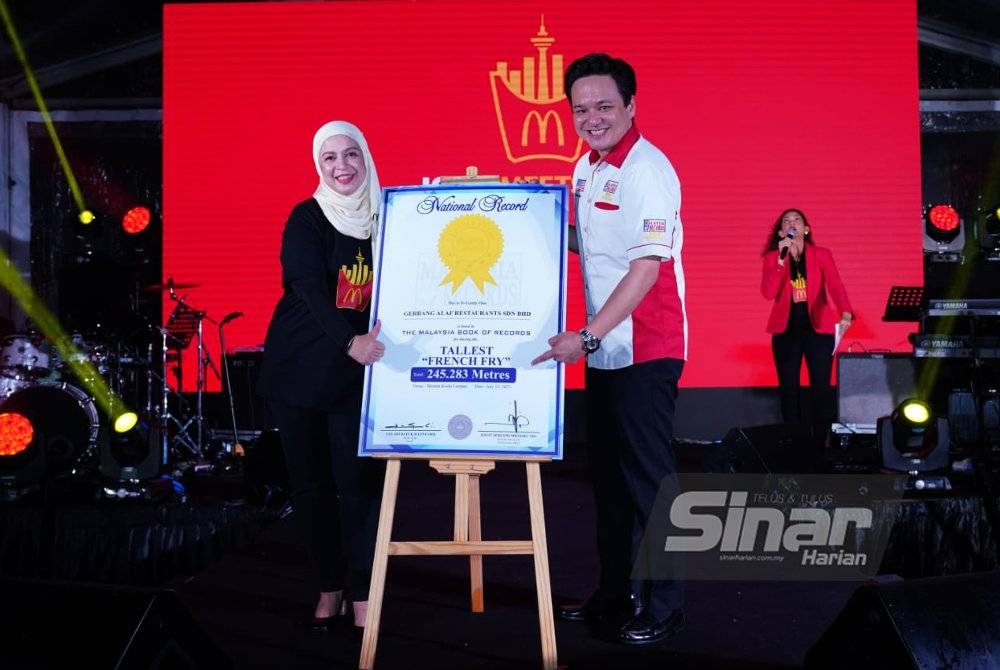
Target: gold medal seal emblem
469	246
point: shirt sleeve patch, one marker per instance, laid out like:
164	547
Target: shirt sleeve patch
600	204
654	225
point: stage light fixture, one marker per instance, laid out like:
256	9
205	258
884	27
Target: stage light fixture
136	220
916	412
62	426
131	455
16	433
125	421
944	231
989	233
22	458
912	439
87	217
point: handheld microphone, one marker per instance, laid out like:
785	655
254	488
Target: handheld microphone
229	317
784	251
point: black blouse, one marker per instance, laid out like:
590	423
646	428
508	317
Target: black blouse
327	280
799	315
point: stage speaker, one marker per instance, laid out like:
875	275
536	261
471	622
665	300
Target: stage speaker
941	622
59	624
963	417
991	418
779	447
872	385
242	369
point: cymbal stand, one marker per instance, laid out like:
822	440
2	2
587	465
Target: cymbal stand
229	378
206	362
199	418
149	380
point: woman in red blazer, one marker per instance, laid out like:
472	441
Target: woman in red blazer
810	303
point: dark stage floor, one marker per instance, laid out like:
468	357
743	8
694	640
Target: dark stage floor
249	595
249	603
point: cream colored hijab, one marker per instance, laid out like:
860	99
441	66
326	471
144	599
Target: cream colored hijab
354	215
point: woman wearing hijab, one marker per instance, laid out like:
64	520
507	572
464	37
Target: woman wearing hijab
314	357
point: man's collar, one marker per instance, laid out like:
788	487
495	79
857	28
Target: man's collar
618	152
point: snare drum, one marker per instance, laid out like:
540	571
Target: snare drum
21	357
63	416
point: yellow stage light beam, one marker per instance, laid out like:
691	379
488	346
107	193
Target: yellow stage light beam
85	372
85	215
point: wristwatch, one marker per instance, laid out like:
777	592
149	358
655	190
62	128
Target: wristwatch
589	341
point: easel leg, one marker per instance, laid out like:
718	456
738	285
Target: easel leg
546	626
379	565
475	535
461	533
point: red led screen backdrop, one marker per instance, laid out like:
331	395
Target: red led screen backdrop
760	106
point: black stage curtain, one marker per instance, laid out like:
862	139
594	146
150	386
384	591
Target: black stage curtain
122	542
939	536
149	544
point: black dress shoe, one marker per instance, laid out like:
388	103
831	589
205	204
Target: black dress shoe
573	612
646	629
598	608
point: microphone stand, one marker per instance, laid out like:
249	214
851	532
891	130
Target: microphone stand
237	447
201	383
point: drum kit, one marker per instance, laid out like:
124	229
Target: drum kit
53	387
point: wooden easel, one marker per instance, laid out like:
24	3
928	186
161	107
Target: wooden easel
471	176
467	542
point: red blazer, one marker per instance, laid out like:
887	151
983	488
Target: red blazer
823	285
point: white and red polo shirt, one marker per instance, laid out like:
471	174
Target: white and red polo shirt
628	207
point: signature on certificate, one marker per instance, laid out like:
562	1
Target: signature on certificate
407	426
515	420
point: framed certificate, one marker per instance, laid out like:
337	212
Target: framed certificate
470	283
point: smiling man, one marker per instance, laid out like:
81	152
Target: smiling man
629	238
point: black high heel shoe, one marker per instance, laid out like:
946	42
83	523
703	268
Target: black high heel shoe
324	625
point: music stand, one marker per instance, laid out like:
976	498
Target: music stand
182	326
905	303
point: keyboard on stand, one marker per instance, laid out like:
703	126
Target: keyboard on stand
963	307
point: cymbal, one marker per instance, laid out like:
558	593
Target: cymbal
152	288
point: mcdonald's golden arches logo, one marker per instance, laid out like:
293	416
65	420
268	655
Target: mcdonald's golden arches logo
534	120
354	285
